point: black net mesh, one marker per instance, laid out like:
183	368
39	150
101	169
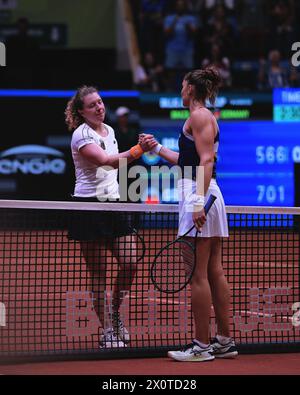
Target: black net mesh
60	296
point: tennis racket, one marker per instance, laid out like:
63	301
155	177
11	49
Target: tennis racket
174	265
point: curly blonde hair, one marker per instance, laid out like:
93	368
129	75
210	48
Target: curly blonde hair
72	117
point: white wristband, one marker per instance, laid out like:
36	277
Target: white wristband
198	203
199	200
157	149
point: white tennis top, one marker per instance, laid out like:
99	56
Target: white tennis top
91	180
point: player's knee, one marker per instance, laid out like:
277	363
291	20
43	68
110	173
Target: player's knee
214	274
199	279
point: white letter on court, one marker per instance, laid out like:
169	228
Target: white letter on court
2	314
296	316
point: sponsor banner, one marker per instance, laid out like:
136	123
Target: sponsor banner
32	159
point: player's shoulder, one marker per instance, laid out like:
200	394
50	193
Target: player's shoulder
201	115
81	130
83	133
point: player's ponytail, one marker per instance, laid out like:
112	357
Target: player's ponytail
206	83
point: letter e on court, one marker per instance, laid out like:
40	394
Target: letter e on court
2	314
296	316
2	54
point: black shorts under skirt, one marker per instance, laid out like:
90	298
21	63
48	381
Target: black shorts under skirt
94	225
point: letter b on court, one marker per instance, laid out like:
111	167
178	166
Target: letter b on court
2	54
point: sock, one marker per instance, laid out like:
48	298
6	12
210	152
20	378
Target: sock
223	339
202	345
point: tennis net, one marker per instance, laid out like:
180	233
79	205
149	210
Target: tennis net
59	296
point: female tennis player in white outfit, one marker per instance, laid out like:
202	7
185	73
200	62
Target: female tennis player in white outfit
198	145
93	147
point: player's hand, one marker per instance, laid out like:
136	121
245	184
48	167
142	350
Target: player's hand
147	142
199	219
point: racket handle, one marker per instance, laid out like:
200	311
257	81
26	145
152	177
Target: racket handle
209	203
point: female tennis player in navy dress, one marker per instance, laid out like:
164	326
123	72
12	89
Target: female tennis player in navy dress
198	146
93	147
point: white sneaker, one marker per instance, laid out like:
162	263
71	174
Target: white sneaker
109	339
192	353
227	350
119	327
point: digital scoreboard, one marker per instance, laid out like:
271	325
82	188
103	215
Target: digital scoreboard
256	162
286	105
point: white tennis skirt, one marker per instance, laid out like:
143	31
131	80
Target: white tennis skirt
216	219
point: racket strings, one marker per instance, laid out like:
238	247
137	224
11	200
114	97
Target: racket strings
188	257
173	266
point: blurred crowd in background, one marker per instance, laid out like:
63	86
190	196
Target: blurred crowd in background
248	41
